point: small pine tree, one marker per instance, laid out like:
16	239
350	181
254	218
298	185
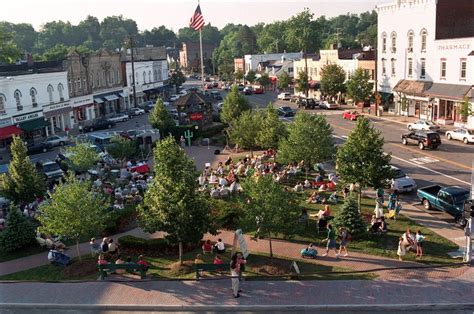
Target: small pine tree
349	217
18	233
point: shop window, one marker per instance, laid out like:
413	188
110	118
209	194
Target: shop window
17	96
2	104
462	74
60	91
410	67
394	42
424	35
384	43
33	94
50	93
410	41
443	69
423	68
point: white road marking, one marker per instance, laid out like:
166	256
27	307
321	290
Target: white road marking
423	160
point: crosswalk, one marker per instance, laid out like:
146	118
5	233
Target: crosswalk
423	160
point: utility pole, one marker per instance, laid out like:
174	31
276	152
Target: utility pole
337	37
131	44
376	83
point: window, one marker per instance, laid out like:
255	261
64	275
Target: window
2	104
290	70
149	76
155	76
410	67
424	35
17	96
117	77
384	43
423	68
33	94
92	80
50	93
60	91
443	69
69	84
394	42
98	79
144	77
462	74
393	61
410	41
78	85
384	67
84	85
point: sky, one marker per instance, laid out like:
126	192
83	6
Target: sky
175	14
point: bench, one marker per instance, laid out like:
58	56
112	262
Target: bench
105	268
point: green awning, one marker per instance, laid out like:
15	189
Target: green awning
385	97
36	124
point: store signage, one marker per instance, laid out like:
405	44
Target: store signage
56	106
81	101
5	122
27	117
454	47
196	116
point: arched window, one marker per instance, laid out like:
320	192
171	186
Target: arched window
424	35
50	93
155	76
384	42
33	94
17	96
144	77
149	76
117	76
60	91
2	103
393	66
92	80
84	85
394	42
411	35
98	79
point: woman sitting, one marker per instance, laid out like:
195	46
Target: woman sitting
307	184
314	198
323	214
207	247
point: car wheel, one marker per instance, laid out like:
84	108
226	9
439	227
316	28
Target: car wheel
421	146
61	143
435	147
404	141
125	119
426	204
450	137
91	129
465	140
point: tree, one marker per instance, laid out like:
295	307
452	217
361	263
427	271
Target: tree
349	217
361	159
239	75
18	233
269	207
234	104
245	128
114	29
122	148
250	77
332	80
58	52
284	80
466	110
172	203
272	129
177	79
404	105
309	139
22	183
358	86
82	157
9	52
264	80
73	210
302	82
160	118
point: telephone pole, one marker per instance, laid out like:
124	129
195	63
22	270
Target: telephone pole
131	45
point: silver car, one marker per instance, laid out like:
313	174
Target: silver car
119	117
56	140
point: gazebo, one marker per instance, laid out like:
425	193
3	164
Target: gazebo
198	108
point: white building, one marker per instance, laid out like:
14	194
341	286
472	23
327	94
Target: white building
426	55
150	78
252	61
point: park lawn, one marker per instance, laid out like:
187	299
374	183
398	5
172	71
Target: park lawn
27	251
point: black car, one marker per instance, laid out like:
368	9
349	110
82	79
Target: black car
36	148
307	103
286	111
247	90
99	124
423	139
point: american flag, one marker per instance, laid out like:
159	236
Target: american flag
197	21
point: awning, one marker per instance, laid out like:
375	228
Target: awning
413	88
111	97
149	91
98	100
32	125
450	91
385	97
121	95
313	84
56	112
9	131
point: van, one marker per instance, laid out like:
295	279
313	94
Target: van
100	139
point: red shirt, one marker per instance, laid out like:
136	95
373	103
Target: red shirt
144	263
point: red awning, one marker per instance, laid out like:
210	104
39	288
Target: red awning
313	84
9	131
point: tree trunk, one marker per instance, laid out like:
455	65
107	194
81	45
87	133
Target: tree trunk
270	242
77	249
359	199
180	245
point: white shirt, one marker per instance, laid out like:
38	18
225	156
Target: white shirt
212	178
222	181
220	246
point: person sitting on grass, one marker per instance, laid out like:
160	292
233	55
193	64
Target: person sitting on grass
298	187
334	198
323	214
219	247
307	184
314	198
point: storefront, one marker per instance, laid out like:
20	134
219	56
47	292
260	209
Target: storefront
7	131
109	103
59	116
32	124
83	108
447	100
418	103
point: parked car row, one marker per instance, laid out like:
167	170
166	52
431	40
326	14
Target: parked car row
459	134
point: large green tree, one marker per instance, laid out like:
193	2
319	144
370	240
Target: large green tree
234	104
82	157
358	86
264	80
361	159
284	81
272	129
73	211
122	148
160	118
332	80
309	139
22	184
251	76
245	129
56	53
269	207
302	84
172	203
9	51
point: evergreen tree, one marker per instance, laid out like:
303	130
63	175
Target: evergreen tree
234	104
172	203
349	217
22	183
160	118
272	129
18	233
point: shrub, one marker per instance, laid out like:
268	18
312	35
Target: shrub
226	215
19	232
151	247
349	217
120	220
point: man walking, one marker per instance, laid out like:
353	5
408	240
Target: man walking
331	241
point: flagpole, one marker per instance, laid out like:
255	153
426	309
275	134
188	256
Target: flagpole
200	47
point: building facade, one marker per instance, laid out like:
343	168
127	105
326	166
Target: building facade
426	62
251	62
190	59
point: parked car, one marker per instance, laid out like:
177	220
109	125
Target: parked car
56	140
461	134
284	96
118	117
422	139
401	182
258	90
425	125
448	199
218	107
351	115
247	90
36	148
99	124
286	111
328	106
136	112
307	103
216	95
215	84
50	169
295	98
174	97
147	105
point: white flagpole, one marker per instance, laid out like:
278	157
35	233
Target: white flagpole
200	46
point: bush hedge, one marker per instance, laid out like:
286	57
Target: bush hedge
120	220
151	247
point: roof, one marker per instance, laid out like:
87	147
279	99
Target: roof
347	54
191	99
455	190
452	91
36	67
414	88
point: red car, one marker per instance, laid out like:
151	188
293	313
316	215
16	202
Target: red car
351	115
258	90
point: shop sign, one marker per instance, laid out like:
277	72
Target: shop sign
27	117
81	101
464	46
5	122
56	106
196	116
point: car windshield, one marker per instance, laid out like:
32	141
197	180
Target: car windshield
462	197
470	132
429	123
285	108
399	174
51	167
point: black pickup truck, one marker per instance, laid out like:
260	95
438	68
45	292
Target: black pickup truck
423	139
307	103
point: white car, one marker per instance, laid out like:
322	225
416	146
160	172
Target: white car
461	134
174	97
401	182
118	117
136	112
327	105
423	125
284	96
183	92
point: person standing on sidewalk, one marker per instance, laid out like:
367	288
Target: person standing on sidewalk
345	238
236	261
331	241
401	249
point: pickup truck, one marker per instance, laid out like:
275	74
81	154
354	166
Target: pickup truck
448	199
